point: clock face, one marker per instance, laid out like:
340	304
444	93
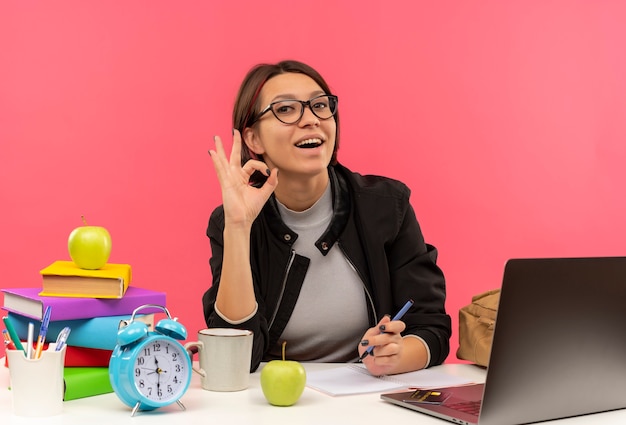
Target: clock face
160	371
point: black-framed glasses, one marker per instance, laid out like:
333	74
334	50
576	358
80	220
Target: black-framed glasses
290	111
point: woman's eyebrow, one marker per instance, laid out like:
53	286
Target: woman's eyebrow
290	96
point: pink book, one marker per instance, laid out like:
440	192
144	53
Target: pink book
27	302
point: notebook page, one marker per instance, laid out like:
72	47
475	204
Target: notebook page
355	379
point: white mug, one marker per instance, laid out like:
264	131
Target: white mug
37	384
225	356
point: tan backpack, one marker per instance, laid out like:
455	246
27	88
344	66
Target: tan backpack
476	323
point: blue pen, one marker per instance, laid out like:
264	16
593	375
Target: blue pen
62	338
43	330
398	316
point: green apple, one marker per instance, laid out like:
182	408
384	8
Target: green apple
283	381
89	246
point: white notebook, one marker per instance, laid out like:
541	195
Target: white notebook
355	379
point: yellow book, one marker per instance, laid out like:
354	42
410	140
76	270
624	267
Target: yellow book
66	279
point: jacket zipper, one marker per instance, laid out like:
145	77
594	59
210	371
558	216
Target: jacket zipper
367	292
292	255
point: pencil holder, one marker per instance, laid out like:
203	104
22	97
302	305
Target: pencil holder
37	384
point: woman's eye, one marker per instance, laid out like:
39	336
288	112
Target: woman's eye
320	105
283	109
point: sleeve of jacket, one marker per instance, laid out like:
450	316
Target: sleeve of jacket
416	275
257	323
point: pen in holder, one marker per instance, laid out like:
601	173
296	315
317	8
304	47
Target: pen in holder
37	384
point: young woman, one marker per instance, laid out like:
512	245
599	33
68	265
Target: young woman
308	252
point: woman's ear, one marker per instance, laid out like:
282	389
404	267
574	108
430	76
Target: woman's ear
251	139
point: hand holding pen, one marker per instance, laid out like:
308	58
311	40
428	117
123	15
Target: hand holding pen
398	316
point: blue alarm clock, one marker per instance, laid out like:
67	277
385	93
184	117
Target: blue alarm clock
148	369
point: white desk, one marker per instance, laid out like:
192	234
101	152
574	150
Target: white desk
250	407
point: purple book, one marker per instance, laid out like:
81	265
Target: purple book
27	302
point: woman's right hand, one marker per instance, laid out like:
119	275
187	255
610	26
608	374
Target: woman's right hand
242	202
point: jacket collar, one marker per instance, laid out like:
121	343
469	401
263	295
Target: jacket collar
341	212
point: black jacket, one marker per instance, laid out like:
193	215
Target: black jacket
375	227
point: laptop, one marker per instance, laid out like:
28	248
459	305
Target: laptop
559	347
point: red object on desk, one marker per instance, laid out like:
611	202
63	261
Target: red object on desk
80	356
86	357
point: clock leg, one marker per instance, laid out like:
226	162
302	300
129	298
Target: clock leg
181	405
135	409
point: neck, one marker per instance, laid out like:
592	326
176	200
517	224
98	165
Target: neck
300	194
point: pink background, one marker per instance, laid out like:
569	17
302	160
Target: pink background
506	118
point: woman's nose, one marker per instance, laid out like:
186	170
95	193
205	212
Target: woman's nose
308	117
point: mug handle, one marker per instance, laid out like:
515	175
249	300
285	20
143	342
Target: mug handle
192	348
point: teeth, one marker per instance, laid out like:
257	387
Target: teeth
309	142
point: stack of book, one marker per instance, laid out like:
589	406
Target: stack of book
93	304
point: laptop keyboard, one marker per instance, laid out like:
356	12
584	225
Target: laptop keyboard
471	407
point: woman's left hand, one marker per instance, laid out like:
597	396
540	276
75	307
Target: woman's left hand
388	346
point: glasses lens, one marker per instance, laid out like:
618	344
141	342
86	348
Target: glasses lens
287	111
324	106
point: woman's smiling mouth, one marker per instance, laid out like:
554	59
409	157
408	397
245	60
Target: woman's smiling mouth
309	143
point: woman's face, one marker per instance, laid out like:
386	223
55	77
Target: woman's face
301	149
